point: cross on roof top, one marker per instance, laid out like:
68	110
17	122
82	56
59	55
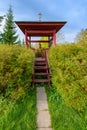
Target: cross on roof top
40	16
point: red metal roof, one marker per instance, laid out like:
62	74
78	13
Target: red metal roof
40	28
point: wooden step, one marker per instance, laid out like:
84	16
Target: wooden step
40	63
40	67
41	71
40	74
40	59
40	80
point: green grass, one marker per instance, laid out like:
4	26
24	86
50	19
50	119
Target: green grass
64	117
19	115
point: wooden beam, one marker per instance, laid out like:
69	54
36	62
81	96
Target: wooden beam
40	31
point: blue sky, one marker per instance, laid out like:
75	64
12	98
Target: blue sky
72	11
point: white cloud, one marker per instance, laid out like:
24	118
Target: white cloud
70	37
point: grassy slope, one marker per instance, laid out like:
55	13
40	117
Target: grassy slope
64	117
68	95
19	115
17	99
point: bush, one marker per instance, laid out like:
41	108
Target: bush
15	67
68	64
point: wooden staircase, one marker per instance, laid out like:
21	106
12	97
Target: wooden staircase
41	70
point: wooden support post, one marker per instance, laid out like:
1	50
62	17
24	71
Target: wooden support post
50	41
29	41
54	38
26	38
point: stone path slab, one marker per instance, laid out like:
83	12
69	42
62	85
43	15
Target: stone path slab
43	116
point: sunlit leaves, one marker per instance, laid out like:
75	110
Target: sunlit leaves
15	66
69	71
81	37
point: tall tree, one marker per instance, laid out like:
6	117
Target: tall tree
82	36
9	34
1	37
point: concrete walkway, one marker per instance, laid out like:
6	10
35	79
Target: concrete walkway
43	116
